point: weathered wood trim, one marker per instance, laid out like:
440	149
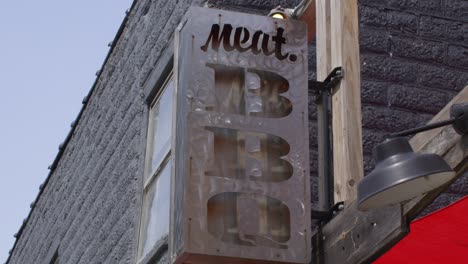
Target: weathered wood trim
445	142
338	45
354	236
421	140
323	39
346	102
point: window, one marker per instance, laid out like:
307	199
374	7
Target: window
154	223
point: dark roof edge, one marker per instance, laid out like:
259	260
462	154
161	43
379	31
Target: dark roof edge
72	130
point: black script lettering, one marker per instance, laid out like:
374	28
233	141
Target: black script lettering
265	40
238	41
279	40
215	38
242	36
255	38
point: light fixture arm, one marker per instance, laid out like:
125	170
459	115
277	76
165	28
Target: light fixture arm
416	130
459	121
299	8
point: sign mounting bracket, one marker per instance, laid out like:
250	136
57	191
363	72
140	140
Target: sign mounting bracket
323	91
327	85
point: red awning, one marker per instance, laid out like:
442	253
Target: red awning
441	237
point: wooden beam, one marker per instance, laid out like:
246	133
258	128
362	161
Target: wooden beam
423	140
392	222
354	236
323	39
346	102
323	69
445	142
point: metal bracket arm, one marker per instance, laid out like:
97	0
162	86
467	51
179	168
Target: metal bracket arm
328	84
323	91
325	217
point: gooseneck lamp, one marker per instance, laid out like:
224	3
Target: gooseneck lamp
401	174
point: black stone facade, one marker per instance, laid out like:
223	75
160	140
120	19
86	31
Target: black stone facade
414	59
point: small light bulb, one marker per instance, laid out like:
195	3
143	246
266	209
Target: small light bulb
278	15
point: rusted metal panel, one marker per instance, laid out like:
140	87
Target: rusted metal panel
241	188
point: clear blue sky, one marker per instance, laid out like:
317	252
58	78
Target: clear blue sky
50	51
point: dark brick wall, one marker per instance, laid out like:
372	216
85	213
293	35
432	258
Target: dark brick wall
413	59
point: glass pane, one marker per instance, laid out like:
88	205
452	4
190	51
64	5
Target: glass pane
161	127
155	217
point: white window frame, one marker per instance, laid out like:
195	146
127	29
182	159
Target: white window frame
149	177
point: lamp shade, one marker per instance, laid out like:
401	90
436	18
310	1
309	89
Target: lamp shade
401	174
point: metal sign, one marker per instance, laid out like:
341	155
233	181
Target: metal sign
241	188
